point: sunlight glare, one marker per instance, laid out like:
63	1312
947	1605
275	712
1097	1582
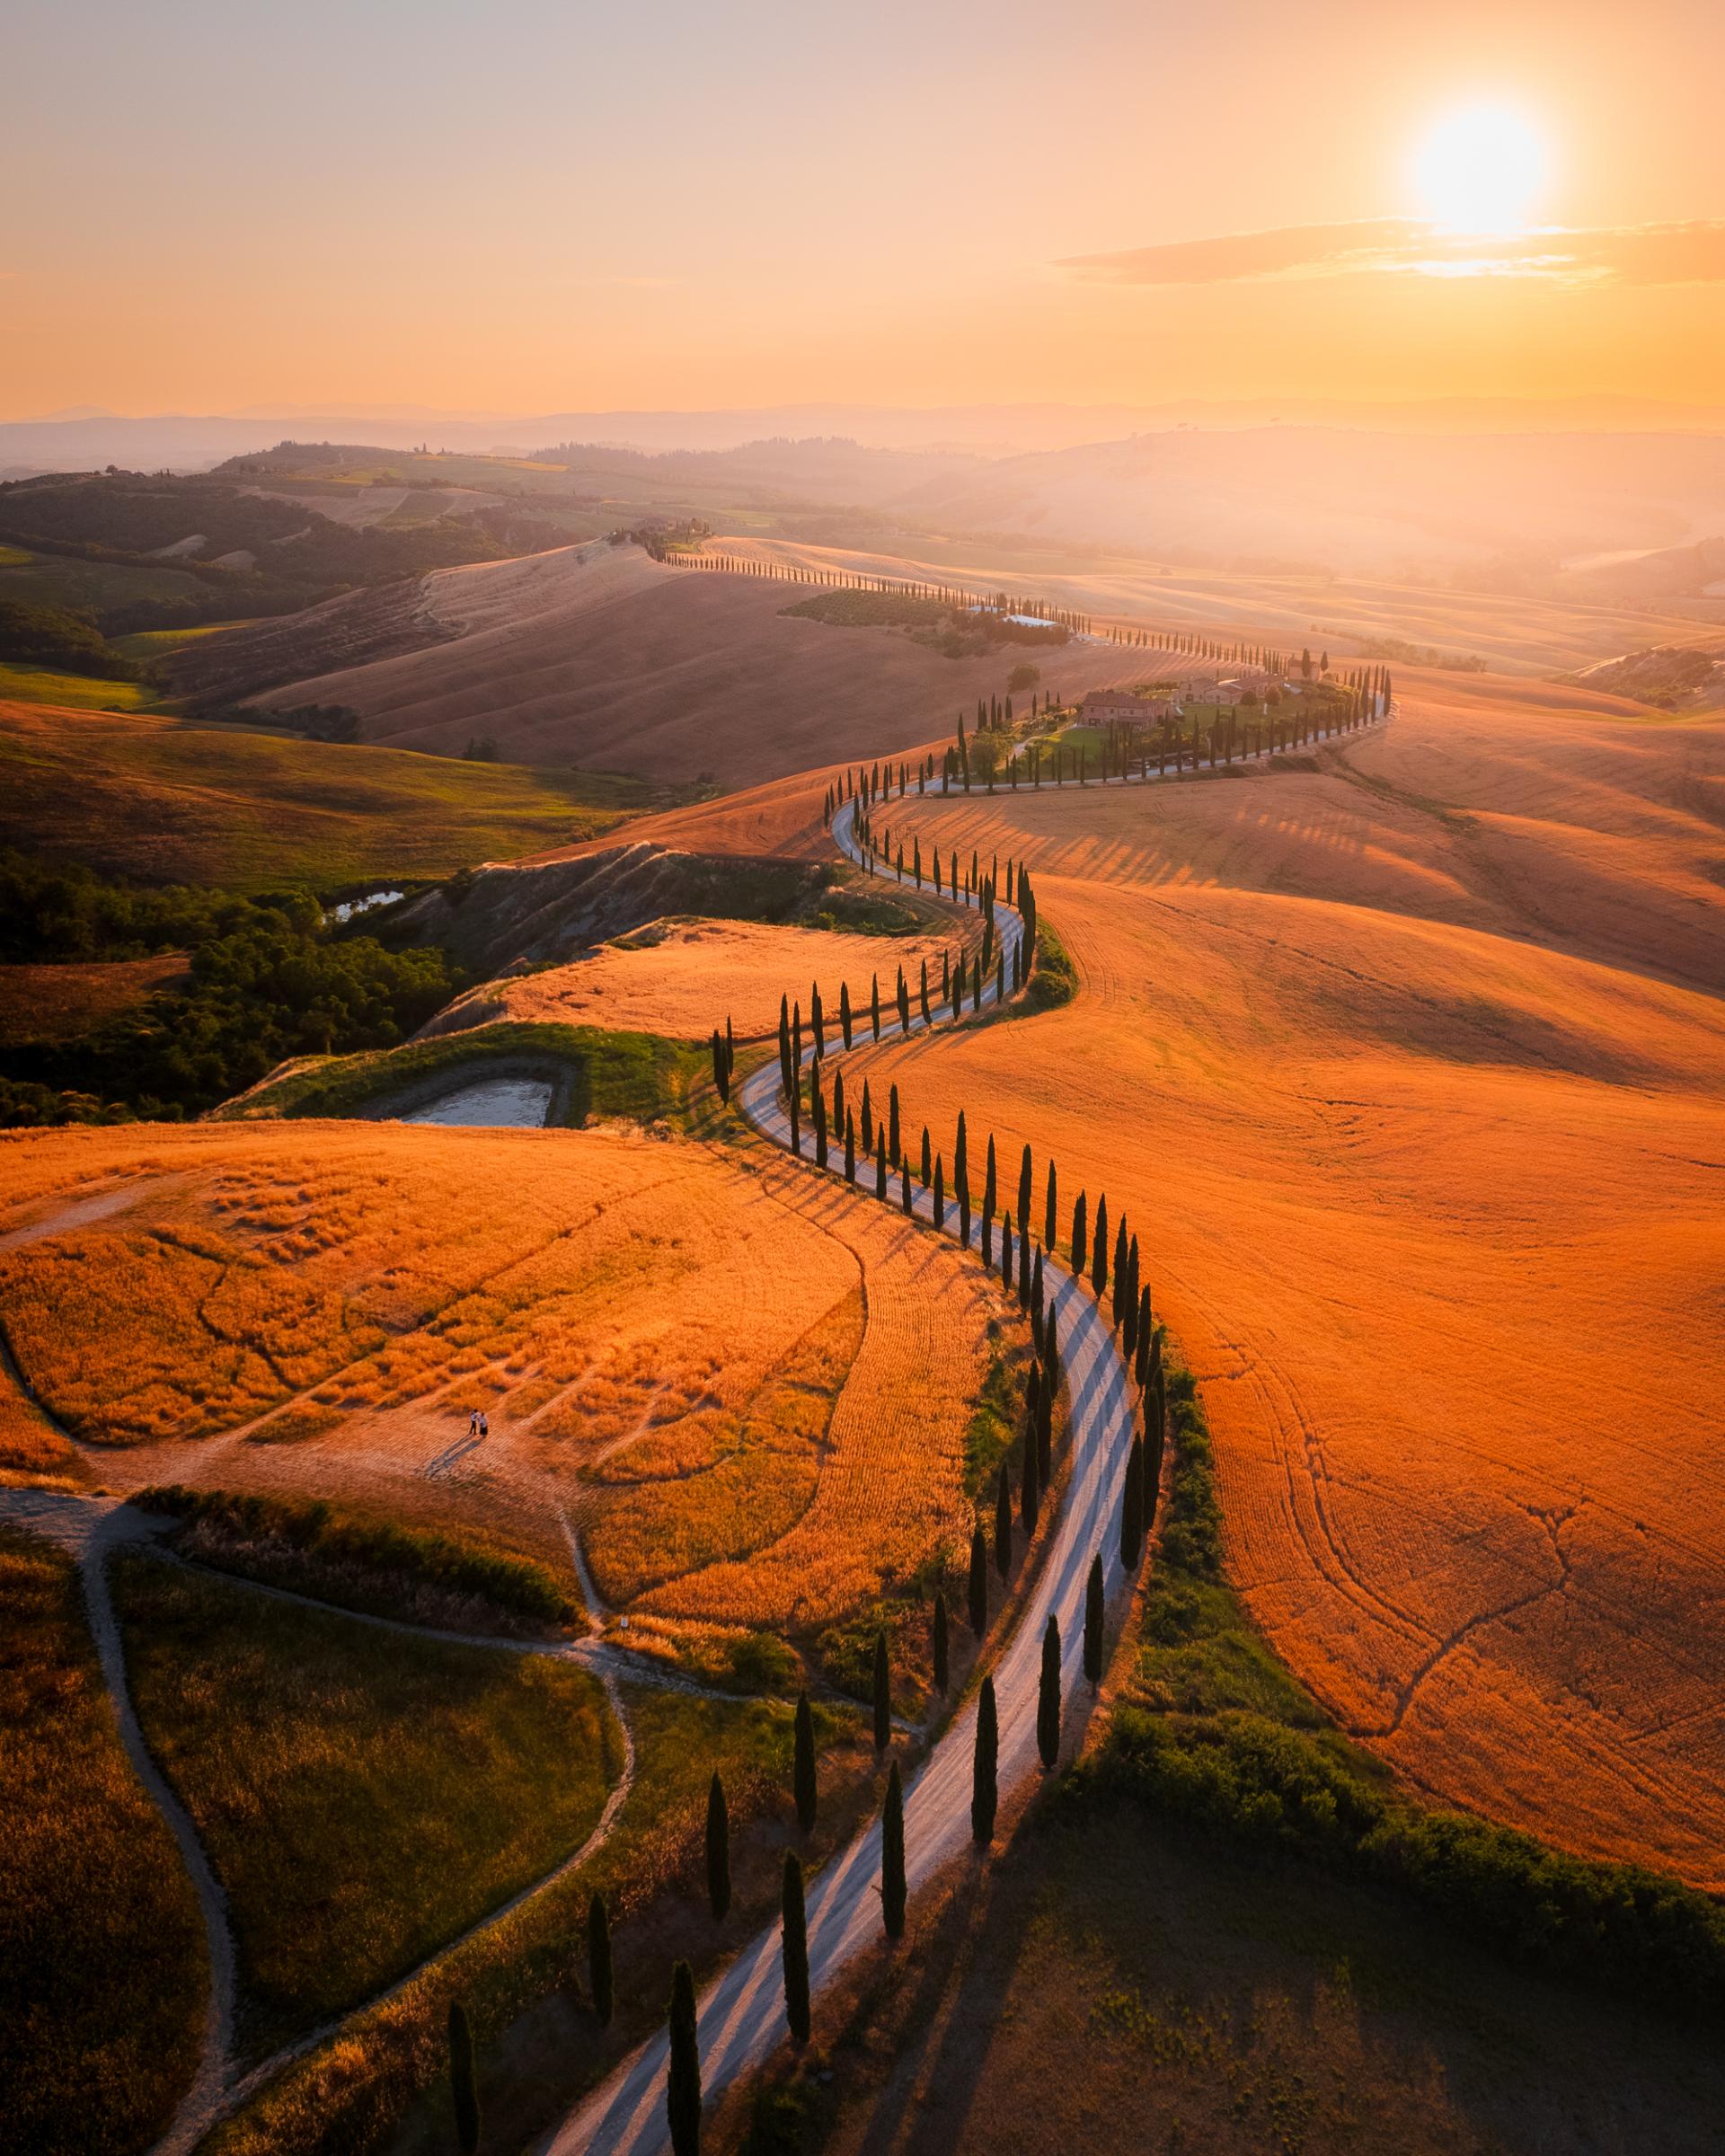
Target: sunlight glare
1478	169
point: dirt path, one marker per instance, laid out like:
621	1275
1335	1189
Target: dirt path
741	2014
113	1528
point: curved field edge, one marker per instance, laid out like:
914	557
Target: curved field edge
1209	1730
601	1076
363	1796
102	1973
522	1978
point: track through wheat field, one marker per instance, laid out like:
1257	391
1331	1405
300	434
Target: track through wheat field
741	2015
1414	1065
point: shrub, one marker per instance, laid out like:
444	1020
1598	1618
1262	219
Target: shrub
262	1525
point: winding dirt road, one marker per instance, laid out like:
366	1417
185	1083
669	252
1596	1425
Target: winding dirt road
741	2014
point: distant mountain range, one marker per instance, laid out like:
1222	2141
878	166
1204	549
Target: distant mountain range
1575	510
87	439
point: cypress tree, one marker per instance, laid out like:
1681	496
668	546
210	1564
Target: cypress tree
787	1077
892	1127
1037	1291
464	2081
720	1075
683	2073
928	1158
1132	1508
1080	1246
1045	1430
985	1791
990	1190
850	1147
1051	1215
907	1198
1006	1251
1120	1268
718	1851
881	1164
1023	1270
977	1586
1141	1360
893	1887
1002	1523
940	1193
816	1019
821	1126
1047	1697
928	1018
599	1977
804	1787
796	1949
1093	1620
904	1003
978	1582
868	1120
1029	1492
1024	1194
874	1004
882	1693
844	1021
1129	1294
1099	1248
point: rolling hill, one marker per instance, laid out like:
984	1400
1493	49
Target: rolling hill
602	656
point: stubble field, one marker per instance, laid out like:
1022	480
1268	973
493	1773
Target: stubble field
1409	1071
682	977
747	1395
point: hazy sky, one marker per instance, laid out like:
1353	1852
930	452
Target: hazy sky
531	208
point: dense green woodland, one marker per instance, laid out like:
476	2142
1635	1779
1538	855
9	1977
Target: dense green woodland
268	980
64	638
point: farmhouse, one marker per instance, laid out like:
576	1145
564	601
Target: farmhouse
1121	707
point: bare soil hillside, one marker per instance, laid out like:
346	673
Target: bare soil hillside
600	655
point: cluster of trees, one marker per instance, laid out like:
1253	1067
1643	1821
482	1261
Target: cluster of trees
64	639
996	606
723	1047
267	980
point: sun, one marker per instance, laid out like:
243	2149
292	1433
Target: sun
1478	169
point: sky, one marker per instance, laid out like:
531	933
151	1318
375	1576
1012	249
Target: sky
527	208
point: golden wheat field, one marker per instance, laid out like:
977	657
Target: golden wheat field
1409	1070
746	1394
681	976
